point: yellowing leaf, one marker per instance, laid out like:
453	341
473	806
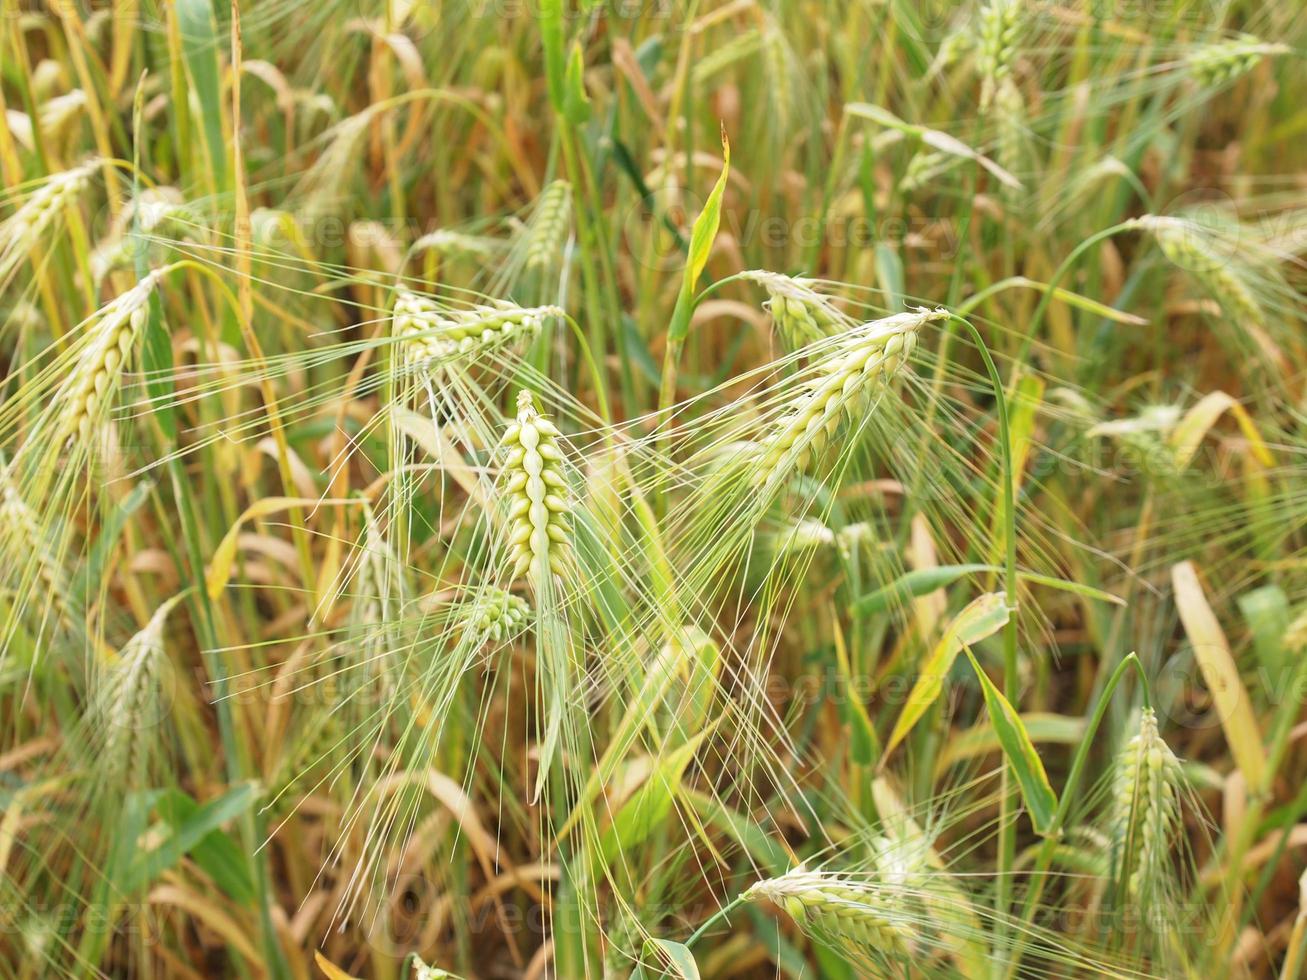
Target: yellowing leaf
329	969
981	618
1190	431
1212	651
219	571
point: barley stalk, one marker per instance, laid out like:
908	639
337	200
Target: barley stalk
536	491
844	385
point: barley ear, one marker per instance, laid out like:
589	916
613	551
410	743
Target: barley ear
536	493
836	911
1145	811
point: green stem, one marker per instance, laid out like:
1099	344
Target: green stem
1038	879
1007	827
716	917
1037	318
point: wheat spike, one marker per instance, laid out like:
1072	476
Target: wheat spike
25	542
1295	636
801	314
549	224
430	335
1189	247
85	395
496	614
536	491
1000	32
27	226
836	910
1220	63
863	360
131	702
1145	808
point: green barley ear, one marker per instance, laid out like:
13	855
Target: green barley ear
844	384
1145	811
130	704
85	396
801	314
1194	249
1001	27
1013	150
430	336
28	554
495	614
1295	636
536	491
161	212
1218	64
423	972
837	911
549	226
28	226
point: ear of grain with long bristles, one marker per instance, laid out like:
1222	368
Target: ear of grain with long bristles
536	493
836	910
1000	33
549	225
27	226
1192	248
1222	62
495	614
90	387
131	703
430	335
845	381
801	314
1145	810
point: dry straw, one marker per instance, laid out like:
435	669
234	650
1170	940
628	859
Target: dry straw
536	493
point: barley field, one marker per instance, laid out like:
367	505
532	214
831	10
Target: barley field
632	489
